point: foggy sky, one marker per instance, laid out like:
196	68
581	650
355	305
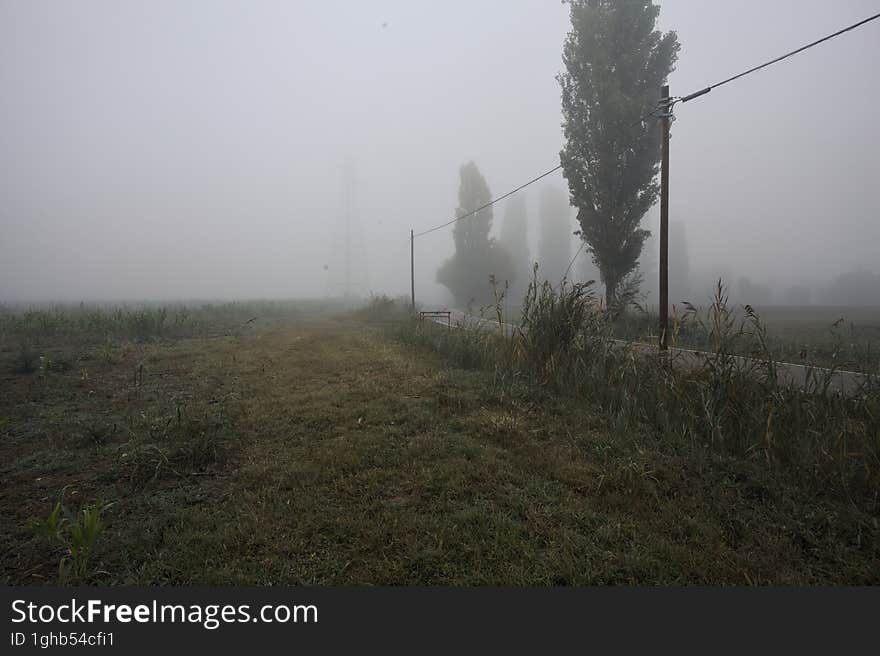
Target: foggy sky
195	149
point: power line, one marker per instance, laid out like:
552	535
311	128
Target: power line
489	204
570	264
706	90
644	117
701	92
666	104
654	111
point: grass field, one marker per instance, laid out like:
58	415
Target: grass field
308	446
834	337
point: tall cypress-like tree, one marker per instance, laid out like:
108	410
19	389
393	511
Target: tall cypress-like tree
477	256
473	192
615	63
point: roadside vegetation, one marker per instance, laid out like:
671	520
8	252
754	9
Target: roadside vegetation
828	442
827	337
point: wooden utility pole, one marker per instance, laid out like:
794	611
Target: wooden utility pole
412	269
664	218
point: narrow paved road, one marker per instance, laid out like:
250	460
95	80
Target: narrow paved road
797	375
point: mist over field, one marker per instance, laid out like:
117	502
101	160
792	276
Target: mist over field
213	372
179	150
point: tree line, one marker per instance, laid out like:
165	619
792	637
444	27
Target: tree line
615	62
478	255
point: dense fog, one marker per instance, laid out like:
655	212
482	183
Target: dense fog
217	149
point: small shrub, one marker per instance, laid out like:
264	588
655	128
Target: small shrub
555	322
382	308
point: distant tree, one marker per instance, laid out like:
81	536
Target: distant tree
587	269
648	263
855	289
615	62
514	239
477	256
679	266
751	292
554	245
799	294
705	281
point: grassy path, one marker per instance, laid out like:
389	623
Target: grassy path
320	452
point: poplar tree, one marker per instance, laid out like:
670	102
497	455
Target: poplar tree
615	63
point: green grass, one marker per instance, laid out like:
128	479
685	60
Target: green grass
313	449
145	322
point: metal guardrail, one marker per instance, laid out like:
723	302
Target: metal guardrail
433	315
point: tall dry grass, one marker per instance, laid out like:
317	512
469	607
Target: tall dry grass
722	401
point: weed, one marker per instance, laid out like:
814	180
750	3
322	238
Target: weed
26	360
201	444
382	308
95	434
76	533
557	321
145	463
109	353
45	365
